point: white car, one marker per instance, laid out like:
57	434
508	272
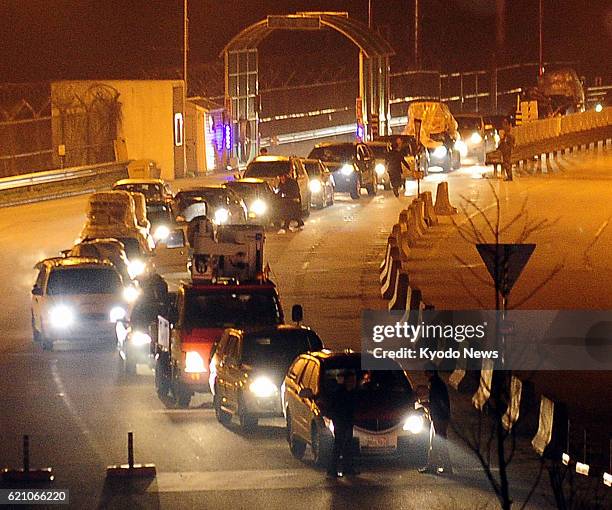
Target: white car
77	301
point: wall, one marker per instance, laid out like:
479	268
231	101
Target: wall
146	116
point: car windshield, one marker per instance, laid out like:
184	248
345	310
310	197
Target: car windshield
213	196
468	122
333	153
230	309
83	280
150	191
380	151
248	190
158	213
267	169
132	247
368	381
279	348
312	169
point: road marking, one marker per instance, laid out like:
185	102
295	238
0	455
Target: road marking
270	479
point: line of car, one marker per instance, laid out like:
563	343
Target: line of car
229	338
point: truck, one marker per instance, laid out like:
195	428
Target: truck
229	288
433	126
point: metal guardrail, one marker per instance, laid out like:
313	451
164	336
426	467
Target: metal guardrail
61	175
62	183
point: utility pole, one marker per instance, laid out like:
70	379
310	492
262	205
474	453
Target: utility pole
185	50
370	14
416	35
541	40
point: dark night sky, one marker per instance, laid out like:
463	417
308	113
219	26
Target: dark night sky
43	39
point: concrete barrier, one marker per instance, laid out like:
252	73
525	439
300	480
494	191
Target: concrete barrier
431	218
481	397
551	437
404	242
401	291
512	413
385	259
443	206
409	230
419	215
390	276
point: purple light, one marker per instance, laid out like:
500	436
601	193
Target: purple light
228	137
360	131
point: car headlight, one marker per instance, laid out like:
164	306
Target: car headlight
221	216
475	138
598	107
263	387
440	152
130	294
194	363
461	146
315	186
414	424
162	232
136	267
329	424
259	207
139	338
61	316
496	138
117	313
380	169
347	169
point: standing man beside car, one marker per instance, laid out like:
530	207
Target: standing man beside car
341	410
395	161
506	145
438	461
290	203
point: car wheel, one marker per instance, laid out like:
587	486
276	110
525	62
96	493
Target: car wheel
296	445
306	211
356	190
416	453
129	367
331	198
371	188
321	447
223	417
162	377
387	185
247	421
181	395
36	336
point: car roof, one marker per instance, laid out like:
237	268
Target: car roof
310	160
269	159
219	287
75	261
248	180
202	188
335	144
266	330
139	181
469	115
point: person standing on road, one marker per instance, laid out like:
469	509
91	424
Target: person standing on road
395	161
506	145
438	461
341	411
290	203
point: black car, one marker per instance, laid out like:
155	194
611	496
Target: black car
389	419
161	218
352	166
248	366
259	198
321	183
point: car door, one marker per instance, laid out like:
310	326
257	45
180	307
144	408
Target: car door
301	176
172	254
231	369
38	292
304	408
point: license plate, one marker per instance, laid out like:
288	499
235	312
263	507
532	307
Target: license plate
379	442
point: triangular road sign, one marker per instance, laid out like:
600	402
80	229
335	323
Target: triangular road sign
505	262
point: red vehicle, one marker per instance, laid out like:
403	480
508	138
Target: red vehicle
196	322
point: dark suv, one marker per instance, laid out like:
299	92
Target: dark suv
352	166
248	367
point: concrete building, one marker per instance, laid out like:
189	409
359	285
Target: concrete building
102	120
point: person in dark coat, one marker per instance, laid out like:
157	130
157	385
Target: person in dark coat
395	163
290	202
438	461
506	145
341	411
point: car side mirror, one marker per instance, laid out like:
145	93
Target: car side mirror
297	313
306	393
65	253
37	291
